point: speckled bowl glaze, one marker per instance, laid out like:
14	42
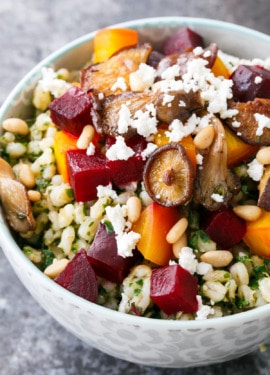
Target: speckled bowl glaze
136	339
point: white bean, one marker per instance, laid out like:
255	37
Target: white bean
56	268
134	208
15	125
177	230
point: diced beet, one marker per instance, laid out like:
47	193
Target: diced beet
104	257
126	171
72	110
86	172
174	289
130	170
224	228
184	40
79	277
250	82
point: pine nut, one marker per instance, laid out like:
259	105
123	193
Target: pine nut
204	138
248	212
26	176
15	125
263	155
56	268
134	208
177	230
86	137
34	195
179	244
217	258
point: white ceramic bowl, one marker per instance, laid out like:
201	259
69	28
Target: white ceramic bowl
136	339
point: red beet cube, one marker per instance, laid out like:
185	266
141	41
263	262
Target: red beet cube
104	257
250	82
86	172
174	289
224	227
72	111
130	170
79	277
184	40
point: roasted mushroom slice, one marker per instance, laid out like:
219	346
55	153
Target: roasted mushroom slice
118	112
104	77
264	190
209	54
178	105
168	175
252	121
15	201
215	183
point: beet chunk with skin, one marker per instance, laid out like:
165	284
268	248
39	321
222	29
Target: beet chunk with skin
86	172
184	40
72	111
79	277
174	289
224	228
104	258
250	82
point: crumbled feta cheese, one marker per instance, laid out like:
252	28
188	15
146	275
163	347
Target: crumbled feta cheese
143	78
236	124
187	260
124	119
126	243
258	80
255	170
119	84
146	121
263	123
171	73
167	99
203	310
50	83
203	268
198	51
217	197
182	103
106	191
148	150
91	149
116	215
119	150
199	159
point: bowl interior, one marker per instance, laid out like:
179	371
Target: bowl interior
246	44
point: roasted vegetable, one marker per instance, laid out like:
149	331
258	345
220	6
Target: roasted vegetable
215	184
15	201
168	175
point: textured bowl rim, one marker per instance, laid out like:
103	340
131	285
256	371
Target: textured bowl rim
7	241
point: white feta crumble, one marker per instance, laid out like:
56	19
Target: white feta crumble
91	149
171	73
199	159
236	124
50	83
263	123
203	310
126	243
116	215
143	78
203	268
177	130
258	80
167	99
119	150
145	121
188	260
119	84
217	197
148	150
182	103
106	191
198	51
255	170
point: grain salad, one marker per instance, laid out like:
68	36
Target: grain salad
144	178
